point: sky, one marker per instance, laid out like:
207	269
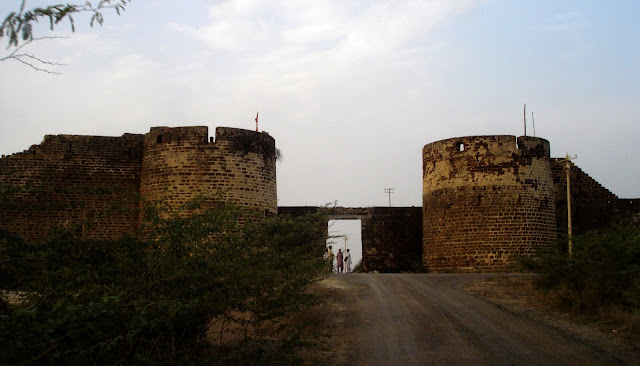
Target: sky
350	90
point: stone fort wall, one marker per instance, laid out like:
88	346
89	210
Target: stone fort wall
182	163
91	185
392	239
486	199
391	236
86	184
592	205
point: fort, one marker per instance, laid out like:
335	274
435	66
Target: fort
485	198
94	185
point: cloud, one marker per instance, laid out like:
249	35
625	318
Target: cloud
351	90
311	46
258	25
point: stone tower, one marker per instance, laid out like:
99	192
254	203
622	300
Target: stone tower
182	163
486	199
90	185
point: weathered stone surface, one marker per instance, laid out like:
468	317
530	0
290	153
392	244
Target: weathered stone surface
486	199
392	239
86	184
180	164
391	236
592	205
92	184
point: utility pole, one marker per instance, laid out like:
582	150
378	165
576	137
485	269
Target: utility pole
567	161
389	191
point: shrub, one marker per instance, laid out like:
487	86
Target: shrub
153	297
604	269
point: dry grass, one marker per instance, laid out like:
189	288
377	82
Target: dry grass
323	323
610	328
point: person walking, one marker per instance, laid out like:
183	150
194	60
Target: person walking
340	258
329	256
347	261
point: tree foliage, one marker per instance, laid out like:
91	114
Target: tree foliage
603	270
18	26
174	293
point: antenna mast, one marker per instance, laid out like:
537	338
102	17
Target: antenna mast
525	119
533	120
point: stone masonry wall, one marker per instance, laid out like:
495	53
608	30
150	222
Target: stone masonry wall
392	239
628	212
391	236
485	199
87	184
181	163
592	205
92	184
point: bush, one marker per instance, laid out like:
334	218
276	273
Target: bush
154	297
603	270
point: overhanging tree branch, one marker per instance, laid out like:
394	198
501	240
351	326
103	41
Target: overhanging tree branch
31	60
18	26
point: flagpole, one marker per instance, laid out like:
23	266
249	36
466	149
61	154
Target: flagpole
257	121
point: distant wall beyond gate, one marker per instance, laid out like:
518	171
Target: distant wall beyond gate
392	239
391	236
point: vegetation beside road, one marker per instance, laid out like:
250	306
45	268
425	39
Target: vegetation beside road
602	271
197	289
597	286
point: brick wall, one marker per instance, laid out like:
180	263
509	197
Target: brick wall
391	236
628	212
183	163
592	205
92	184
486	199
392	239
87	184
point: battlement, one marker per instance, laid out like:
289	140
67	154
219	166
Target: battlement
176	135
493	145
70	180
181	163
533	146
58	146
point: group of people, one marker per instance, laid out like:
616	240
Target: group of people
342	260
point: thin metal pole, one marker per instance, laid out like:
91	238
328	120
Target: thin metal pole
533	120
525	119
569	226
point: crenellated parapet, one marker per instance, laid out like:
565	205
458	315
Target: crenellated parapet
183	163
91	185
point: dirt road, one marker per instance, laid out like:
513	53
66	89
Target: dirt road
426	319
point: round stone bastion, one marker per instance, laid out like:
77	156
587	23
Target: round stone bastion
486	200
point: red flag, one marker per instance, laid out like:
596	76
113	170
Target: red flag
257	121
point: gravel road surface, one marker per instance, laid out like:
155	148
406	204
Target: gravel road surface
426	319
